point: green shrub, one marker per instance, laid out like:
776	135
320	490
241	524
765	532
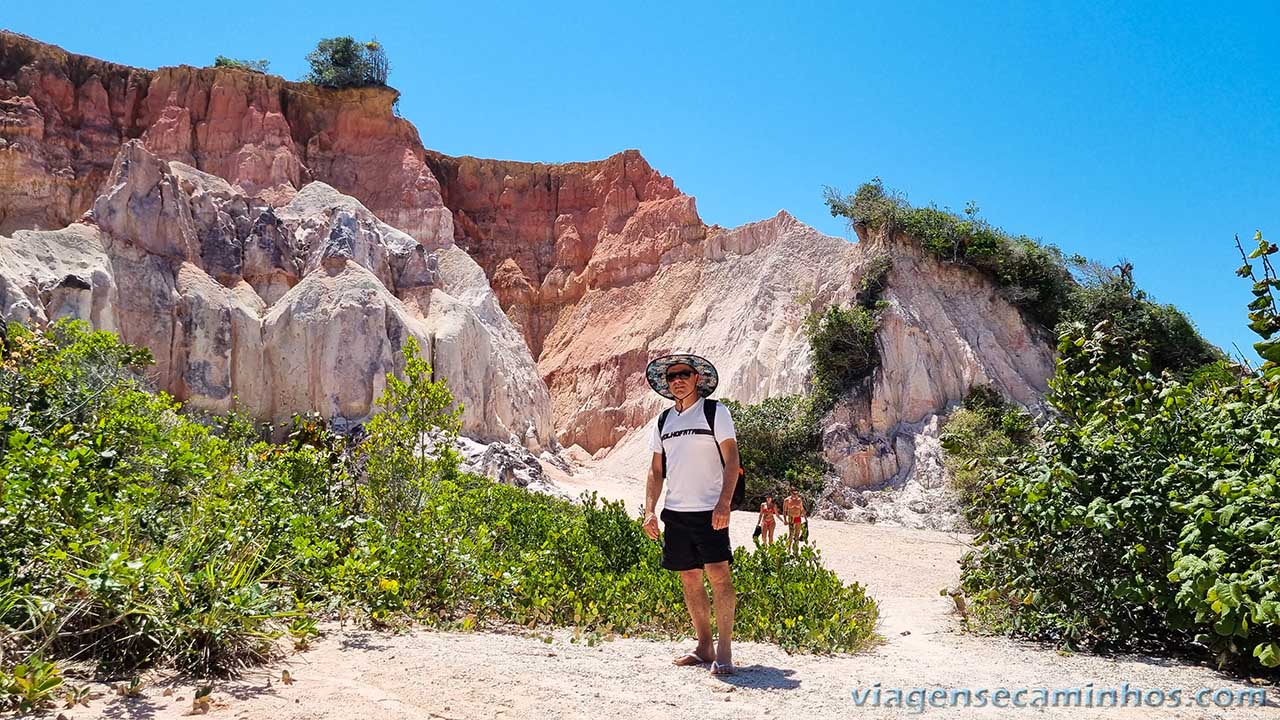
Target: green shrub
1112	295
131	534
842	344
1034	276
873	281
1214	375
32	685
781	594
411	441
260	66
1146	519
978	434
780	445
343	62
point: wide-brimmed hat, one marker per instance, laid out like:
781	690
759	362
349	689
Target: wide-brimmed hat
708	378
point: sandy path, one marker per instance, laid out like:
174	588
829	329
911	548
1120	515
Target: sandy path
352	674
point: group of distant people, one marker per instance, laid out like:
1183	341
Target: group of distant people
792	514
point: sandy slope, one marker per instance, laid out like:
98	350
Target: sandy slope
488	675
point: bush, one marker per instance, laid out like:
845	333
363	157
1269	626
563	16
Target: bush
410	442
343	62
977	435
873	281
1032	276
842	343
780	446
134	535
1264	317
259	66
1146	519
1112	295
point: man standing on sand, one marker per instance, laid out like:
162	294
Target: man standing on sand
793	511
701	471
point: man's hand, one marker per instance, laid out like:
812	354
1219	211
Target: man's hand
651	525
720	516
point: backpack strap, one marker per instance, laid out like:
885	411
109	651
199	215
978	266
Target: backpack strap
709	410
662	421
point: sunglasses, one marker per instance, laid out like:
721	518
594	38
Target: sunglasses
679	375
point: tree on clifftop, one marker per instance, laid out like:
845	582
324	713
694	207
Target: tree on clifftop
342	62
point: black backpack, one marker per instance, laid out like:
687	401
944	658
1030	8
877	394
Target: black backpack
709	410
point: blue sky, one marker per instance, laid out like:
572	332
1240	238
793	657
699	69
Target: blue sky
1144	131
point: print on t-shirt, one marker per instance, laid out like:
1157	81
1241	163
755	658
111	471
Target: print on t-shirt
695	477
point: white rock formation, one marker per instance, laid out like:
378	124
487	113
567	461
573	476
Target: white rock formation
278	310
743	305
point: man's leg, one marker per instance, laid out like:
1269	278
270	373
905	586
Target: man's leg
726	603
695	598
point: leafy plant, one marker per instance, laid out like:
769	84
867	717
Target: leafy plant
1146	518
410	441
1264	319
842	345
1111	294
1031	275
31	685
978	434
343	62
780	445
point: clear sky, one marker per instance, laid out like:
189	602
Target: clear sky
1148	131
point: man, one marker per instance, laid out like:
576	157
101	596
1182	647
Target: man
793	512
699	491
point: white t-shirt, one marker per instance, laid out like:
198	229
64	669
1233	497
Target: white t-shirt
695	477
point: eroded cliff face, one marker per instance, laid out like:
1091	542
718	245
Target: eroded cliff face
606	265
946	329
63	117
277	241
274	310
202	193
547	234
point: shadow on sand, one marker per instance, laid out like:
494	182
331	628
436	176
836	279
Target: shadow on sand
764	677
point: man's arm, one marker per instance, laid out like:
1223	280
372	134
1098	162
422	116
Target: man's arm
652	488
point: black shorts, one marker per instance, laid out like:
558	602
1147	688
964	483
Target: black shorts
688	542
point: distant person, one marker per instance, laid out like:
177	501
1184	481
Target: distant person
768	511
701	467
793	511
